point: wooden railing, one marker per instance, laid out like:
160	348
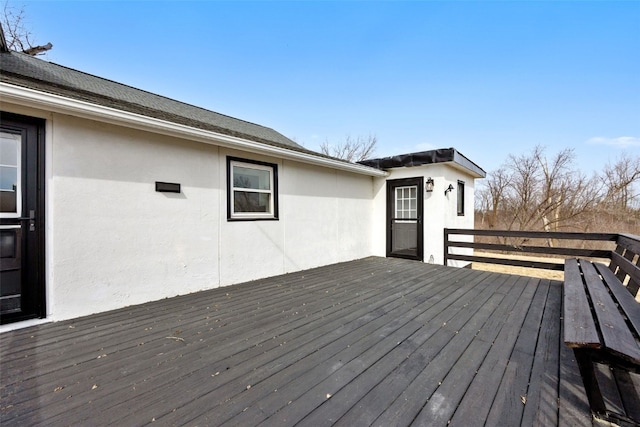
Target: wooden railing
604	246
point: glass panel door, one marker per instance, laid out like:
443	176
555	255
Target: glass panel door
404	214
21	230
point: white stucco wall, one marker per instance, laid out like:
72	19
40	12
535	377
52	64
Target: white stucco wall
113	241
440	211
325	217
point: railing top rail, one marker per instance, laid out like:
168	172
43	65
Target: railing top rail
630	236
538	234
624	261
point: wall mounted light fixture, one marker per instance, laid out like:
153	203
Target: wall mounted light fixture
429	185
450	188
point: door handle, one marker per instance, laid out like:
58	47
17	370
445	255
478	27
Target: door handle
32	216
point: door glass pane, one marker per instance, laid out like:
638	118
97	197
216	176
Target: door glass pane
9	144
405	237
7	244
8	178
406	202
9	173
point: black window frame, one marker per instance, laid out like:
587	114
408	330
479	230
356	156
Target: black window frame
274	191
460	198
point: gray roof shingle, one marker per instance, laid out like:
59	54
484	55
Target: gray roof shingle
26	71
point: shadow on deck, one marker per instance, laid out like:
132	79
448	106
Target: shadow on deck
377	341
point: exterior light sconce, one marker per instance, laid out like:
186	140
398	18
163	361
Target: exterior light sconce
450	188
429	185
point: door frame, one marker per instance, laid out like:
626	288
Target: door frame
35	298
391	185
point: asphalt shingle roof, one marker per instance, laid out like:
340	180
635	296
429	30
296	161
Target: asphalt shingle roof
26	71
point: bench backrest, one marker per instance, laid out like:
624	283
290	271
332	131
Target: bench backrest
625	262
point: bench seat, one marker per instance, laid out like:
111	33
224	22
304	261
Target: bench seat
601	322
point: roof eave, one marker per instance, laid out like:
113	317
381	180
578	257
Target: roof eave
467	164
443	156
42	100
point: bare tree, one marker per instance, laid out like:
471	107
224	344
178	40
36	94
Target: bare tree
620	179
491	197
521	195
351	150
16	34
566	193
533	192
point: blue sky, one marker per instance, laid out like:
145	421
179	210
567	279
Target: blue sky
488	78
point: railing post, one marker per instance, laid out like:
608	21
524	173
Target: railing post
446	246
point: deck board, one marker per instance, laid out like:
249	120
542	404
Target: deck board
370	342
485	384
362	403
369	371
510	315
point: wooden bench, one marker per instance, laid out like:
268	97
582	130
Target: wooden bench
602	325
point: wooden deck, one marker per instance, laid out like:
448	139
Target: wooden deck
382	342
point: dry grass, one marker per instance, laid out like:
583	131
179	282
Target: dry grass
521	271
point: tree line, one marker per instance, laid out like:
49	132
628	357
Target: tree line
532	191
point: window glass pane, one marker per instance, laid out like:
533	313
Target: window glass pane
8	178
8	189
257	179
246	201
9	144
9	172
460	198
406	202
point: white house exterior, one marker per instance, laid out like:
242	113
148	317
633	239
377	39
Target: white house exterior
444	181
122	197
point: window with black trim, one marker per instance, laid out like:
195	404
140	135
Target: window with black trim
460	198
252	190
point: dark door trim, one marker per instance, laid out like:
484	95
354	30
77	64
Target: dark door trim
33	247
392	184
